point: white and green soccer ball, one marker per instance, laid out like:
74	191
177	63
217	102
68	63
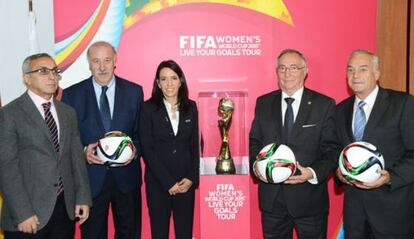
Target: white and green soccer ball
275	163
361	161
115	148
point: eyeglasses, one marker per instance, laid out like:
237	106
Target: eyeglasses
44	71
292	69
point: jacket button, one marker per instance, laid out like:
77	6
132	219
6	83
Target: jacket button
55	185
174	151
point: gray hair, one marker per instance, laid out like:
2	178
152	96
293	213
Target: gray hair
99	43
374	58
28	61
291	51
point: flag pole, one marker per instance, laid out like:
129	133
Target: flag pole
33	41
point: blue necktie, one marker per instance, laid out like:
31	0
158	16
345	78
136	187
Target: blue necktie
288	123
104	109
359	122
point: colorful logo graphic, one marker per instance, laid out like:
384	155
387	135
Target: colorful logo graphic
136	10
111	17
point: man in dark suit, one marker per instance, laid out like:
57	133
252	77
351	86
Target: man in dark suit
385	207
42	169
105	102
303	120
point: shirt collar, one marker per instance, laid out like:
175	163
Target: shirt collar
370	99
110	85
168	105
38	101
297	95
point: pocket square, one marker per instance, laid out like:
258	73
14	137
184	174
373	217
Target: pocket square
187	120
308	125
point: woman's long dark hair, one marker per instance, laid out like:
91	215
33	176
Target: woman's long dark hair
157	96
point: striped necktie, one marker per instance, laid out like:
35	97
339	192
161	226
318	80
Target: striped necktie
51	124
359	121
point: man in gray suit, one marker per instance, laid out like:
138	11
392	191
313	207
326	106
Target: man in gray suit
43	177
385	118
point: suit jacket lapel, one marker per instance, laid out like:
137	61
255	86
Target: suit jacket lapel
119	104
276	116
63	125
303	112
379	108
349	111
92	105
34	115
164	114
181	120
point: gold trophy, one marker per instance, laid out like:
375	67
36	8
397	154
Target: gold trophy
225	164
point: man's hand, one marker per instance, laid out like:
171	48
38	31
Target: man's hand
343	179
174	189
29	225
81	213
257	173
91	158
184	185
304	176
382	180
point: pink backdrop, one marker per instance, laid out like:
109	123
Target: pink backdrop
325	31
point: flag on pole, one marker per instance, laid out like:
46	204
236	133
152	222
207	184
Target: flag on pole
33	42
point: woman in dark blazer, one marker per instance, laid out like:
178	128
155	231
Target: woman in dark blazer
169	137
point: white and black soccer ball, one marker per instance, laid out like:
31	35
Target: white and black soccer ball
361	161
275	163
115	148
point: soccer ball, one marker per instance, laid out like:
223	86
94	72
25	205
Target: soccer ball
275	163
361	161
115	148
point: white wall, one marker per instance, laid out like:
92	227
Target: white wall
14	41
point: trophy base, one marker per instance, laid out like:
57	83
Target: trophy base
225	166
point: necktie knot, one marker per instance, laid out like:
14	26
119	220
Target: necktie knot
361	104
46	106
104	89
289	100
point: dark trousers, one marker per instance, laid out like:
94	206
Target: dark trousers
367	233
126	211
59	225
161	204
279	224
357	226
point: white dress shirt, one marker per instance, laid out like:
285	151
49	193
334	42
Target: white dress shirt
295	104
369	104
173	120
295	107
110	93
